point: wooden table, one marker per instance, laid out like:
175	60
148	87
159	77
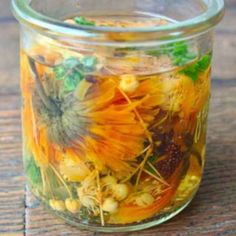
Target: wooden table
212	212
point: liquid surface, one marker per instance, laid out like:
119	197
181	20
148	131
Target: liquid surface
124	21
114	136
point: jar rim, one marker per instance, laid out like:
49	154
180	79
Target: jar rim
201	23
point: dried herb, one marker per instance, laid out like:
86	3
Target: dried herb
81	20
33	171
195	69
181	55
70	72
73	70
178	52
89	63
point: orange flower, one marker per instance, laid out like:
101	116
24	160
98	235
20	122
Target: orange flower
97	120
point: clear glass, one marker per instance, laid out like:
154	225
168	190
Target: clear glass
115	103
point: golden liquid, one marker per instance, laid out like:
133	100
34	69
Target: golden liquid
119	144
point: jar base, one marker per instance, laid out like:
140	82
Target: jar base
155	221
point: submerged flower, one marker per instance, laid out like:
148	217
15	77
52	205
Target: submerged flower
98	120
88	121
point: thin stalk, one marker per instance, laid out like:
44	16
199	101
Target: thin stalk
137	168
198	128
160	122
49	186
157	172
138	116
163	191
155	177
33	122
100	199
43	181
142	166
62	180
147	133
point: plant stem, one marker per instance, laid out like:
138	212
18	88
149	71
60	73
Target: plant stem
138	116
142	165
100	198
62	181
47	181
156	171
43	181
138	167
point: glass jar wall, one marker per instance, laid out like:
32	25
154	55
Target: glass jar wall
115	103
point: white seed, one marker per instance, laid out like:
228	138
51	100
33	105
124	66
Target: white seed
110	205
57	205
72	205
120	191
145	199
85	200
128	83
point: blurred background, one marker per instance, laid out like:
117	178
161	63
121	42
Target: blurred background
213	212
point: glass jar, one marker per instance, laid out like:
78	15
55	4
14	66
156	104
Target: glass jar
115	102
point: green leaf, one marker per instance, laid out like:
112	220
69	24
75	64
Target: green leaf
195	69
204	63
81	20
72	80
59	72
71	63
179	49
192	75
178	52
191	71
73	70
89	63
70	71
33	171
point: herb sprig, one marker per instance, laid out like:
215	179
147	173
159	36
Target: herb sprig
180	56
178	52
198	67
81	20
73	70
